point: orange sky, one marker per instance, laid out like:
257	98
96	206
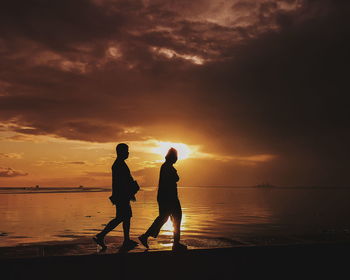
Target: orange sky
52	161
255	89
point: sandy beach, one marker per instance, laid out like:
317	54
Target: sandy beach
303	261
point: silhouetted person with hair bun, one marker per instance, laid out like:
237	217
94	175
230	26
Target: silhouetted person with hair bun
168	202
124	189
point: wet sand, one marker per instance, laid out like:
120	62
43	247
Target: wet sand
298	261
82	245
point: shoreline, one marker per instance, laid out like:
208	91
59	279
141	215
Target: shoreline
75	245
301	261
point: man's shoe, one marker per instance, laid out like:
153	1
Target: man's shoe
143	239
179	247
100	241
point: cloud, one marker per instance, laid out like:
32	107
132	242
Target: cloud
63	83
254	159
11	155
60	163
243	77
76	162
9	172
98	174
57	25
21	138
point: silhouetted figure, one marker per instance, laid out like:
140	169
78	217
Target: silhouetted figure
168	202
123	190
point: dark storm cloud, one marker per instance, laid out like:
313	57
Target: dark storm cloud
252	77
288	81
58	25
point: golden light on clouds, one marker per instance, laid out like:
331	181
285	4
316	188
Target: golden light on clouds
168	53
49	160
147	72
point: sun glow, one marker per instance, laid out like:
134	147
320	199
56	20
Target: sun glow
182	149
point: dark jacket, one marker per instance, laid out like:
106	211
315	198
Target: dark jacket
121	182
167	188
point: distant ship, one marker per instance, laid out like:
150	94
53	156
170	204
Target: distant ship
265	185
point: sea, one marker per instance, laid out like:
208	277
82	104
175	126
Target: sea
62	221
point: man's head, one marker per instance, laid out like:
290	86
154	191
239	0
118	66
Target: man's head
171	156
122	151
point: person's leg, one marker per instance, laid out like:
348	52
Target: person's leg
128	243
126	213
126	229
177	216
159	221
99	238
112	224
154	229
109	227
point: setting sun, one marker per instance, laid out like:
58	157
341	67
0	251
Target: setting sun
183	150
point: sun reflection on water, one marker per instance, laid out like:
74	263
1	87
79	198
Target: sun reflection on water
207	213
168	227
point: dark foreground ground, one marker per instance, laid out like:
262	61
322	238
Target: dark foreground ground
326	261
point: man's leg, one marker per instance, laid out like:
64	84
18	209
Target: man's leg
109	227
99	238
126	214
126	229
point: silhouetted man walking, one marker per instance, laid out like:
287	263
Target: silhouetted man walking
168	202
123	190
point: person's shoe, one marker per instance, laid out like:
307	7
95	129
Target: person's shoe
179	247
133	243
100	241
143	239
129	244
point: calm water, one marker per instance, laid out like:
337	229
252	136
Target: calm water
212	217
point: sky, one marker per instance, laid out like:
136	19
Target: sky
248	91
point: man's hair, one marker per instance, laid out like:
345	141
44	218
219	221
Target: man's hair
171	153
121	147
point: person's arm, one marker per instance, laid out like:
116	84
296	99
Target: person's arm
175	175
124	183
120	180
113	197
130	179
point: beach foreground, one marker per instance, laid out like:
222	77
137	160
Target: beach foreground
303	261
